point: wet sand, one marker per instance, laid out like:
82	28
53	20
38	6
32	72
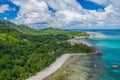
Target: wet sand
79	68
72	69
52	68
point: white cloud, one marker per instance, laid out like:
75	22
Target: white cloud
115	3
68	13
4	8
32	11
5	18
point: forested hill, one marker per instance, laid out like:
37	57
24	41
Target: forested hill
48	31
21	28
25	51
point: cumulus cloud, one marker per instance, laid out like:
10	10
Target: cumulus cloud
68	13
32	11
4	8
115	3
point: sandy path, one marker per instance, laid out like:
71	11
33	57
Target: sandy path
52	68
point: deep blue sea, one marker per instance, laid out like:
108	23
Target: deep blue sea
111	53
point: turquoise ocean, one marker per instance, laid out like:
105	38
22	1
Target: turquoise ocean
110	48
96	67
111	53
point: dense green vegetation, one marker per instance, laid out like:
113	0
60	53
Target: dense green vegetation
49	31
25	51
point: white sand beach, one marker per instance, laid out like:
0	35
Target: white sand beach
79	41
97	35
52	68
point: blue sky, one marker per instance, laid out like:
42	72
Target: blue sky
62	13
90	5
10	14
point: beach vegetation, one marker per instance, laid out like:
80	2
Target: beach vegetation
25	51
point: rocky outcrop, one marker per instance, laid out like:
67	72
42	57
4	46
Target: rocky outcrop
97	52
115	66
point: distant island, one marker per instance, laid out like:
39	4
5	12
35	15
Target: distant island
25	51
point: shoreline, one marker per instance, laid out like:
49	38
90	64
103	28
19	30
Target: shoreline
94	35
71	69
60	61
53	67
98	35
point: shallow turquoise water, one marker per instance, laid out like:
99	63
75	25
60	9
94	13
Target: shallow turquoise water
83	67
111	54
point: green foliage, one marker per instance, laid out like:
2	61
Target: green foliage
22	53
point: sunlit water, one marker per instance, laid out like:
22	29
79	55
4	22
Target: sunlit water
94	67
111	54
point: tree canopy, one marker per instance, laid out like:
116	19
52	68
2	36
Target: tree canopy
25	51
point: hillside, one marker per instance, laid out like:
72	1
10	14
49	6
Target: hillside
48	31
25	51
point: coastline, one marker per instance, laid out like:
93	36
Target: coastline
73	69
83	40
60	61
97	35
53	67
